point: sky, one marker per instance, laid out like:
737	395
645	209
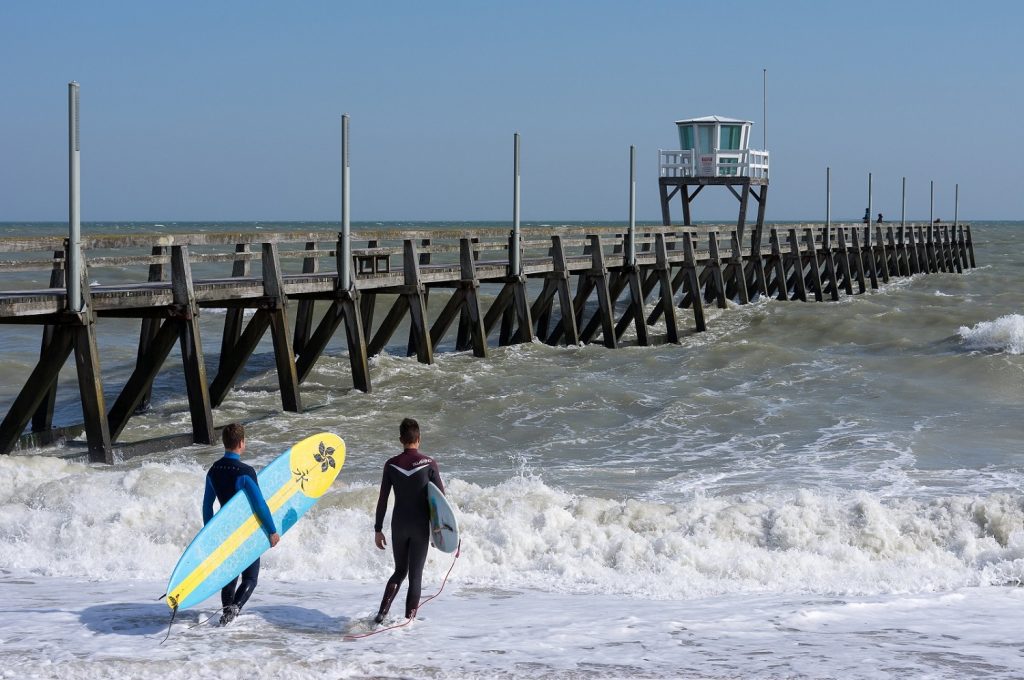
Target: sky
231	110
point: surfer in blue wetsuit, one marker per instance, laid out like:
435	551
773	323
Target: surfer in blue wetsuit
407	474
226	477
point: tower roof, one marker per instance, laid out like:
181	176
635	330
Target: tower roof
713	119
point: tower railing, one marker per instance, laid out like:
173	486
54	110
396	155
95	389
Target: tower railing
719	163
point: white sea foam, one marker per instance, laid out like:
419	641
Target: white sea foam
66	519
1005	334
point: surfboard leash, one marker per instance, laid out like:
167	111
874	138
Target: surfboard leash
208	618
174	612
458	551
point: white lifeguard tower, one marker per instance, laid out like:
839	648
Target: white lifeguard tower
714	150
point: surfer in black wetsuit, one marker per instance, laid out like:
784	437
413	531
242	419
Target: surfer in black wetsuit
408	474
226	477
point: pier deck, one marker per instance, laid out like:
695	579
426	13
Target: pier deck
165	280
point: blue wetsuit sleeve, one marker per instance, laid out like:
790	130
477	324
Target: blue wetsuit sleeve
259	506
208	497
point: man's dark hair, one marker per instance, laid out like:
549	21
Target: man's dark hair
233	435
408	431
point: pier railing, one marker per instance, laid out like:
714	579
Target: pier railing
448	287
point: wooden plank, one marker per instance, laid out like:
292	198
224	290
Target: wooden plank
541	307
617	283
447	316
903	258
191	347
929	249
42	419
521	305
569	327
599	273
355	336
90	389
692	285
843	258
234	317
141	380
778	282
954	255
423	252
739	276
284	357
962	245
42	379
90	381
389	325
150	325
636	307
715	268
666	294
796	260
830	269
498	307
814	269
419	332
304	311
857	257
912	254
880	254
741	220
317	342
367	302
868	255
895	268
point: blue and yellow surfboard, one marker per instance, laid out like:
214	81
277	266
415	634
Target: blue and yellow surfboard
233	539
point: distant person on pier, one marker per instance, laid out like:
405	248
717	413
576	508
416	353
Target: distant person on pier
408	474
880	220
938	220
867	216
226	477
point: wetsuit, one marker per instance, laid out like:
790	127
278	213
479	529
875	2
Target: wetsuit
408	474
227	477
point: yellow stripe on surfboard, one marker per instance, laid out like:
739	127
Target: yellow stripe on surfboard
313	483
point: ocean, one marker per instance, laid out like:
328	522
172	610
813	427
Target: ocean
806	490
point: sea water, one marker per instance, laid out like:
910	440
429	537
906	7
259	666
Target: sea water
829	490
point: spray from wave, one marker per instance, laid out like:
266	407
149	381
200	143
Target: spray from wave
1005	334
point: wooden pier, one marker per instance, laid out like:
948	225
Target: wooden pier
576	287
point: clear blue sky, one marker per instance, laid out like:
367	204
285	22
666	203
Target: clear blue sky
231	110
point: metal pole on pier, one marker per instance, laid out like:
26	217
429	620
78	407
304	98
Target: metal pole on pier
764	109
345	263
903	205
828	207
513	255
869	199
631	252
74	204
931	203
956	206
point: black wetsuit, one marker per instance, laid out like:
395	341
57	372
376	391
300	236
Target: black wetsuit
226	477
408	474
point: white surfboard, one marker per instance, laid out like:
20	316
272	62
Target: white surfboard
444	528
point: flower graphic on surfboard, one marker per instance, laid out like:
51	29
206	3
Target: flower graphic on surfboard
233	539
